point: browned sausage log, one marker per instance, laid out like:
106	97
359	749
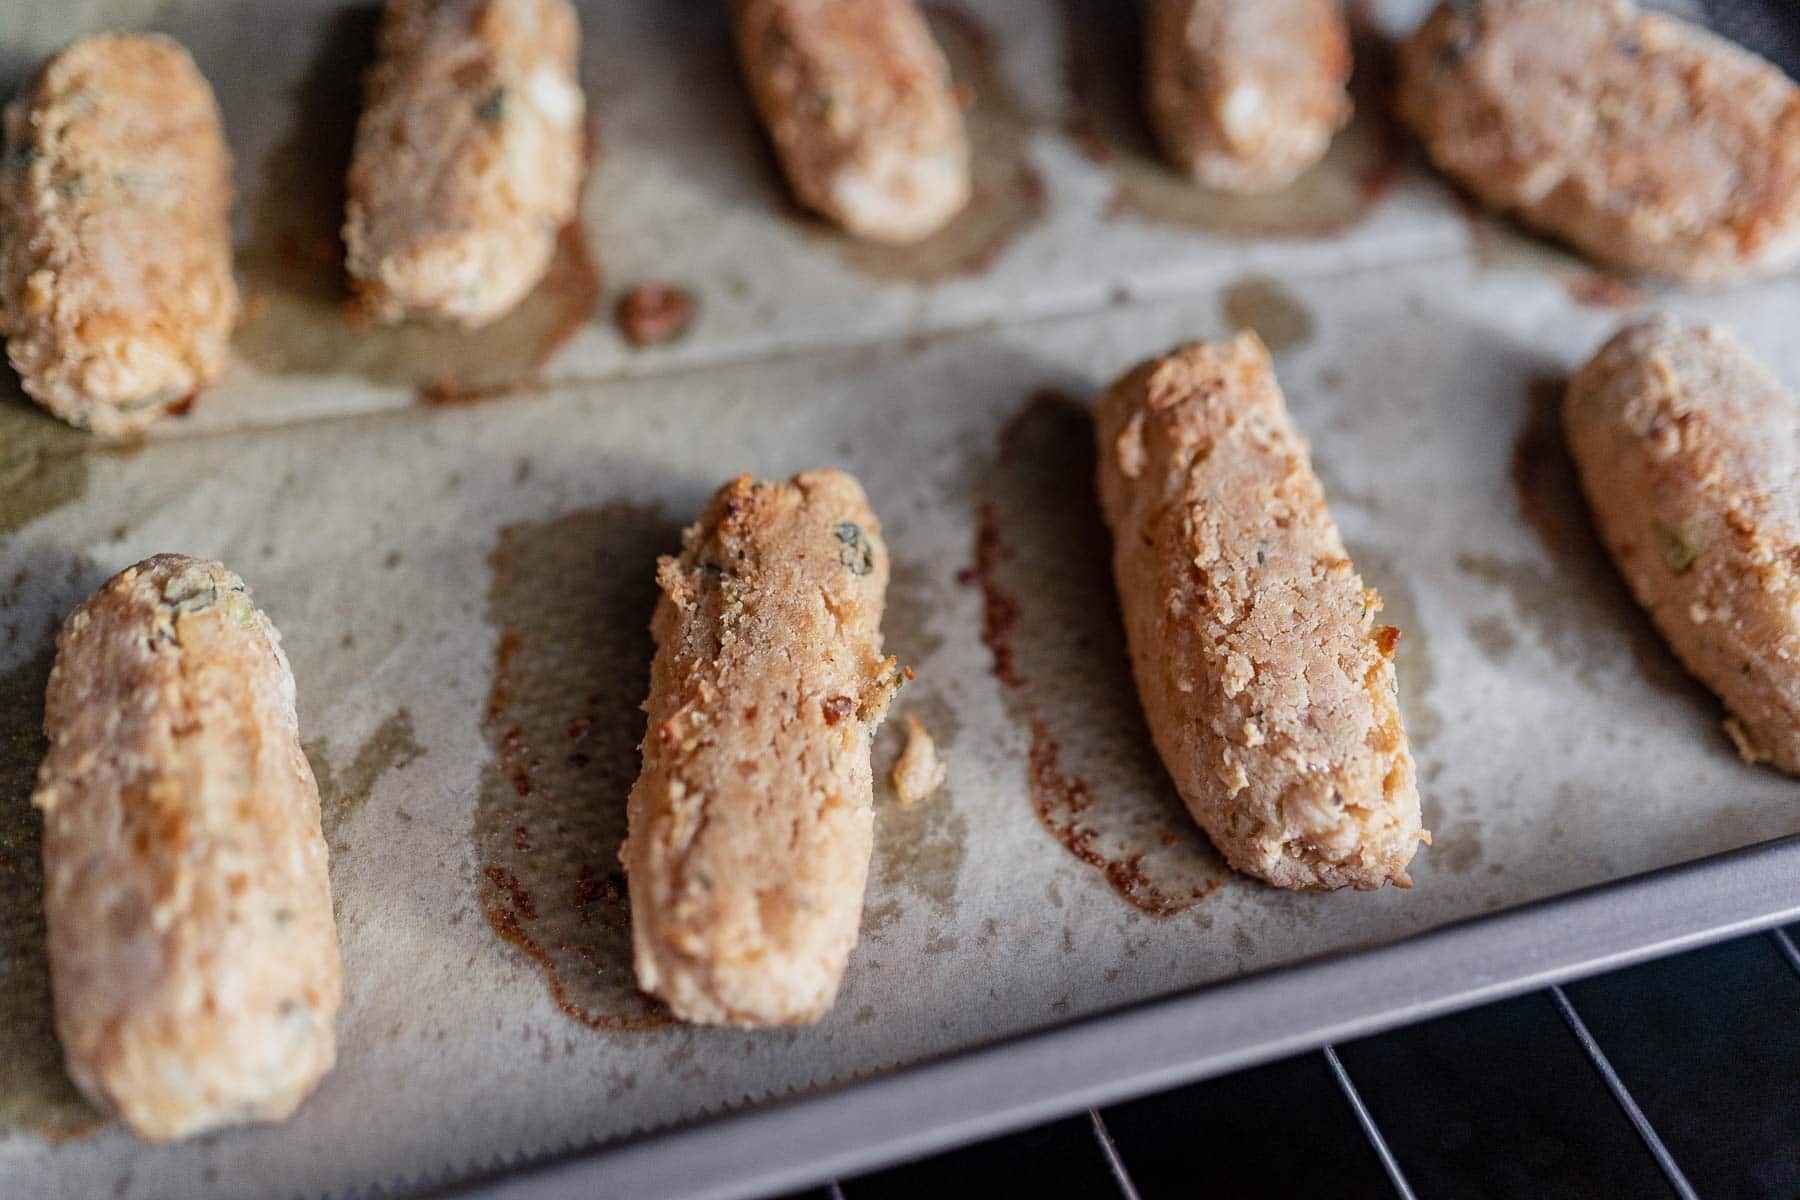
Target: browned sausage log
751	825
469	157
1267	685
1647	143
193	953
1690	455
857	99
1245	95
116	296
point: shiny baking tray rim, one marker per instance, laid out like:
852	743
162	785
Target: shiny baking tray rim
1187	1036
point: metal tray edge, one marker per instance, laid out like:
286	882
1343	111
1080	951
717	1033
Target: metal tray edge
1178	1039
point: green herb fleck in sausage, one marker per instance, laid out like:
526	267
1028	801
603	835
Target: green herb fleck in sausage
856	552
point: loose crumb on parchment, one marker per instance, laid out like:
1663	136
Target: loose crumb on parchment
918	772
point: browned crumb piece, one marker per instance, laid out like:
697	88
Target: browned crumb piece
1689	452
653	313
751	825
192	948
116	295
1246	94
1648	143
918	772
858	101
469	157
1267	685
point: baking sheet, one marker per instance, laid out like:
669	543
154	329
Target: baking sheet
463	591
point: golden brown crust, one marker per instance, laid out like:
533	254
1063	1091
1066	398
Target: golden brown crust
857	99
1267	686
1245	95
1648	143
751	825
469	157
193	952
116	295
1689	452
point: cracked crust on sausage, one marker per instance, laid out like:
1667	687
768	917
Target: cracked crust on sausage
1648	143
1689	452
193	953
752	822
857	99
469	157
116	294
1267	685
1245	95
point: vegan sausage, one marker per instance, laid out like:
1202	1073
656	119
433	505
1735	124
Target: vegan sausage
1646	142
1245	95
751	825
469	157
116	296
858	102
193	954
1689	452
1268	688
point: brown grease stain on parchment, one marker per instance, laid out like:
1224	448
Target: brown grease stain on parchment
390	747
299	314
35	1093
1457	848
1275	314
1103	64
1591	288
919	848
1500	242
1415	678
44	463
571	599
1050	617
1006	192
1494	637
1413	671
1580	607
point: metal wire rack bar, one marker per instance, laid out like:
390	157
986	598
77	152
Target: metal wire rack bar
1789	951
1103	1135
1620	1093
1370	1129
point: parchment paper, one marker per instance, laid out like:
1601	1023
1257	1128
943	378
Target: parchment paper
463	588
